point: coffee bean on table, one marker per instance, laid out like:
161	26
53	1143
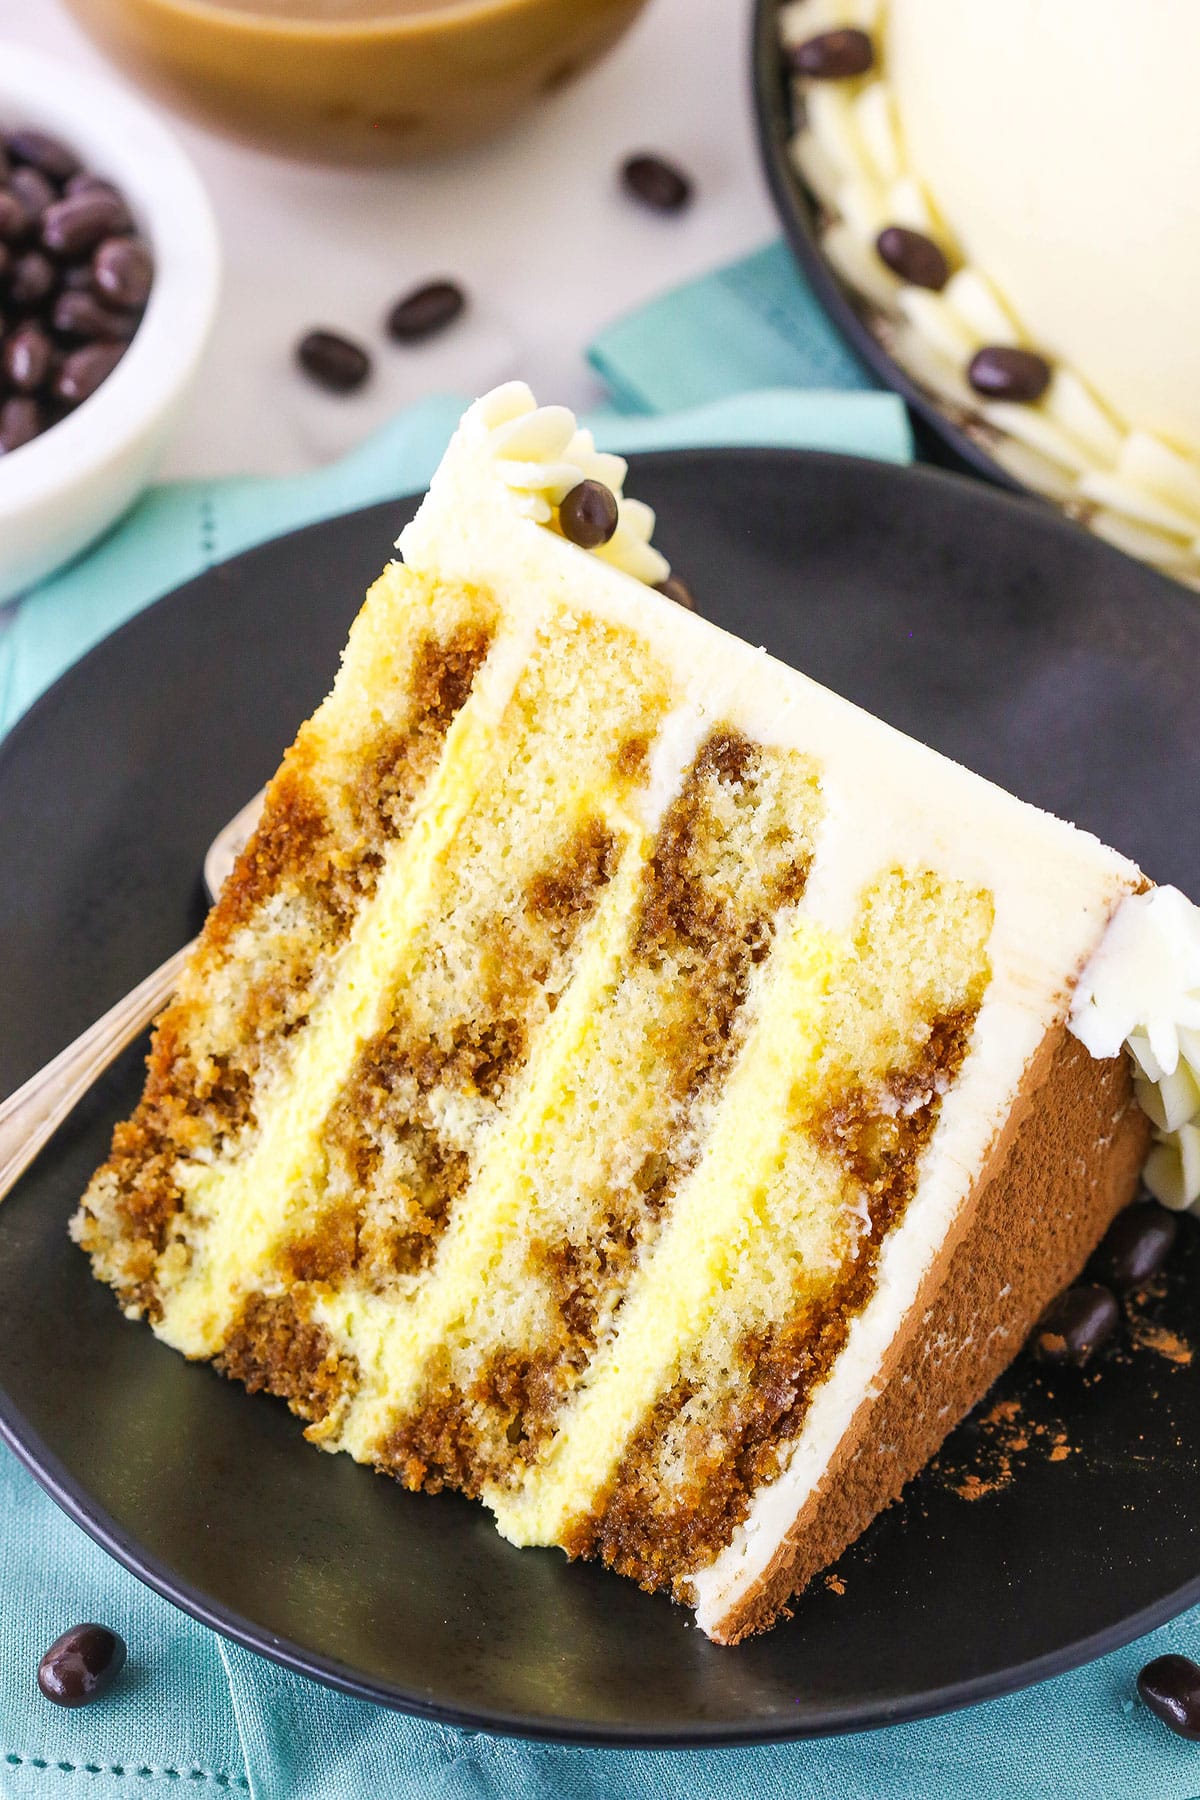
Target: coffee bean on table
81	1664
20	421
1001	372
1170	1687
679	591
914	257
833	55
426	311
25	358
80	221
1074	1325
656	182
588	515
83	371
333	361
122	271
1136	1245
42	151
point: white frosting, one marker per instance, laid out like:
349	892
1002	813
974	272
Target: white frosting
1141	991
1057	228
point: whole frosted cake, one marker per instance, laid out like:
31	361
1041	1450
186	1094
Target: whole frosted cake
621	1079
1010	192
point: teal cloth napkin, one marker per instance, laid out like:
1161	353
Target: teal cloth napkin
195	1714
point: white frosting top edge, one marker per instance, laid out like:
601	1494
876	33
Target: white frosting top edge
1141	990
537	454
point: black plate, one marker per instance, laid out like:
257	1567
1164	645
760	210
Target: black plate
986	626
939	437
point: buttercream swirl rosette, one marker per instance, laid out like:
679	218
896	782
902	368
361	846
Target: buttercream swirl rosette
541	452
1142	991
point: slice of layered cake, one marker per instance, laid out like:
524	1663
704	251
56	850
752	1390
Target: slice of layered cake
621	1079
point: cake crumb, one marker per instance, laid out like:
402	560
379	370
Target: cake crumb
1161	1340
1004	1436
835	1584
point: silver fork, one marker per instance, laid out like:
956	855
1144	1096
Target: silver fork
31	1116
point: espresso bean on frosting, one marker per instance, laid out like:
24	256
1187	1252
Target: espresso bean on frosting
914	257
1001	372
833	55
588	515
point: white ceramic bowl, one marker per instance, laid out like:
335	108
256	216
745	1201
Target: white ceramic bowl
64	488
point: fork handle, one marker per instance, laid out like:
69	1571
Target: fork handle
31	1116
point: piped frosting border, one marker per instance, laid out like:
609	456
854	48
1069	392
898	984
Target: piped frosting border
1126	485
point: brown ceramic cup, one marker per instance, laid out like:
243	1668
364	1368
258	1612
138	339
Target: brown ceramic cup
356	80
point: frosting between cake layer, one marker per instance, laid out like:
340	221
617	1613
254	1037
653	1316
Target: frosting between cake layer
1128	484
1141	991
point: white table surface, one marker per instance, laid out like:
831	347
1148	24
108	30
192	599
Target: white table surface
534	224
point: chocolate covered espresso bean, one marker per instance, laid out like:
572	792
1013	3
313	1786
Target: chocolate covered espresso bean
833	55
81	1664
21	420
1136	1245
588	515
79	222
1170	1687
426	311
75	278
83	371
332	361
1001	372
1074	1325
122	270
56	160
914	257
25	358
656	182
78	314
